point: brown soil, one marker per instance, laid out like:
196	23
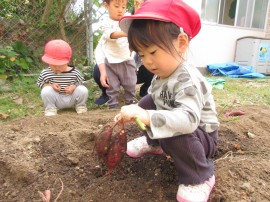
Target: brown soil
41	153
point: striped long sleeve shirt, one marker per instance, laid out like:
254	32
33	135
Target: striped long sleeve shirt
64	79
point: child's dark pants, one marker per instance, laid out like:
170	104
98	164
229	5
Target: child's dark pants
191	153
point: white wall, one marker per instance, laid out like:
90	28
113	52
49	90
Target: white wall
216	43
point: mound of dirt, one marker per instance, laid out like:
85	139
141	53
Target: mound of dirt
55	153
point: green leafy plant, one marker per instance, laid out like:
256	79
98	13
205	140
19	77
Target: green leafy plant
15	59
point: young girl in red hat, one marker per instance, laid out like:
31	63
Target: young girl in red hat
179	112
62	85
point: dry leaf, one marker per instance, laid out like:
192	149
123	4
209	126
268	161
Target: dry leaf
3	116
18	100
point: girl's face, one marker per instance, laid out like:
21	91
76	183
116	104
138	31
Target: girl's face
161	45
116	9
58	68
158	61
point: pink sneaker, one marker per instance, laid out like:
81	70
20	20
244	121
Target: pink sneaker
195	193
138	147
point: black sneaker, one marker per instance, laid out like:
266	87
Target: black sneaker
102	100
114	106
131	102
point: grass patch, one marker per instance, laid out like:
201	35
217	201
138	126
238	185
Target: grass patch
243	91
20	97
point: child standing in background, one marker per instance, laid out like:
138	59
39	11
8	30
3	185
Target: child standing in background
144	77
61	85
179	112
119	68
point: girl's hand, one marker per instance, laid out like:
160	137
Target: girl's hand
129	112
56	87
69	89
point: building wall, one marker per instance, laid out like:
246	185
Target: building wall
268	23
216	43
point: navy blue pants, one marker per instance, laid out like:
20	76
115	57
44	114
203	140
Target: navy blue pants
96	75
191	153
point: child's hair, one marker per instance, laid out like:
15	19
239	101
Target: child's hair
109	1
145	32
132	10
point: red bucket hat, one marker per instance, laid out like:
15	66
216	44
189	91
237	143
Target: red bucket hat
57	52
175	11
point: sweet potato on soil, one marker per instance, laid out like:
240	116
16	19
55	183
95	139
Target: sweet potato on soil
235	113
103	141
117	150
111	145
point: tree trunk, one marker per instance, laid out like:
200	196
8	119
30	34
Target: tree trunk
46	13
61	16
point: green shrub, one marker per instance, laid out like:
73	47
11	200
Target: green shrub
15	59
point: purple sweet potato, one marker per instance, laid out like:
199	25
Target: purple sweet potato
103	141
117	150
111	145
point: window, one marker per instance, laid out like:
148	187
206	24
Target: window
241	13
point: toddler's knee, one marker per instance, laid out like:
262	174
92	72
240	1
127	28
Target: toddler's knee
178	144
82	90
46	91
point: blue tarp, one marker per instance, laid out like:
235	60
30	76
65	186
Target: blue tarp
232	69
